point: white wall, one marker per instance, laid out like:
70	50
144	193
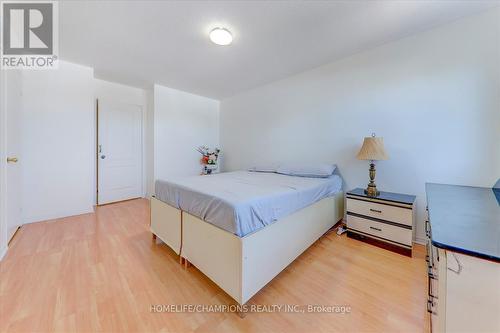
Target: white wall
58	142
3	165
150	128
434	97
122	94
183	122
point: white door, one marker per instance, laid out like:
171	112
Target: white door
119	152
13	105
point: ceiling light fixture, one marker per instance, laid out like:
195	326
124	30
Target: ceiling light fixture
221	36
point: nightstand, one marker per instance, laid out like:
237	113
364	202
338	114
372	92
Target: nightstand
386	220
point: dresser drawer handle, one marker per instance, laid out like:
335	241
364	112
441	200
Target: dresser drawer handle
430	306
375	228
431	274
430	292
375	210
428	261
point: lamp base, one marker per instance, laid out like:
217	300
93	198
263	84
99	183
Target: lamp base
371	191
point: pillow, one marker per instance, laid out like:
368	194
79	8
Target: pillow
308	170
264	168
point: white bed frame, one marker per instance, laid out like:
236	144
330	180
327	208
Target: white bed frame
243	266
166	224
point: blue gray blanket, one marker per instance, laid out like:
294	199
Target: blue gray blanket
242	202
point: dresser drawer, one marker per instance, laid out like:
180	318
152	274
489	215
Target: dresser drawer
385	212
386	231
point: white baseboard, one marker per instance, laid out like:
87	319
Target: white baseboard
3	252
58	215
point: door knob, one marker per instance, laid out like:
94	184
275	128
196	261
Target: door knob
103	156
12	159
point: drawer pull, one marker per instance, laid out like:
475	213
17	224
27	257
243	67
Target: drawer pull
429	258
427	229
375	210
430	292
375	228
430	305
430	274
428	261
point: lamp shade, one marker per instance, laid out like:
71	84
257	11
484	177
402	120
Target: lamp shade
372	149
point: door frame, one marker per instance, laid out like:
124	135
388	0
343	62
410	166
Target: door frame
3	165
97	151
143	147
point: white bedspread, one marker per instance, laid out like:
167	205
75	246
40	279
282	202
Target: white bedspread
242	202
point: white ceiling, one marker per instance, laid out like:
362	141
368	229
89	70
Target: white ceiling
145	42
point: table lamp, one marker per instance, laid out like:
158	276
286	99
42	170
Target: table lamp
372	150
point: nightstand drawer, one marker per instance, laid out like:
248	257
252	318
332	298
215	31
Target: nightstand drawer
385	212
385	231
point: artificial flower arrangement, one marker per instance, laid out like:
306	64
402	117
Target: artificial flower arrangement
209	159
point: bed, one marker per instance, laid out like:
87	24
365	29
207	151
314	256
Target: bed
242	228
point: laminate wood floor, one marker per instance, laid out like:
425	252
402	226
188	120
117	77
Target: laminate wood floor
102	272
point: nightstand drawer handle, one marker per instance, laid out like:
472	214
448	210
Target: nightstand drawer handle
375	210
375	228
